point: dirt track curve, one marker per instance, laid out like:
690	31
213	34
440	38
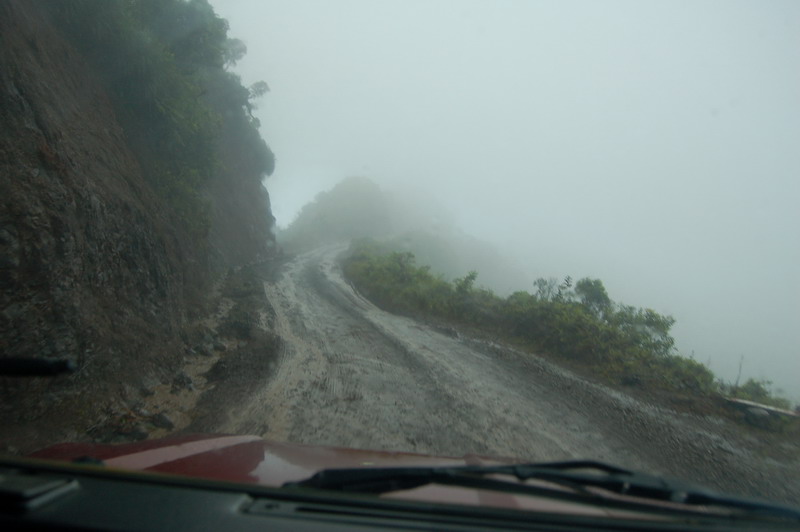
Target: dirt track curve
353	375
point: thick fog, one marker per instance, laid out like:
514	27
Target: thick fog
653	145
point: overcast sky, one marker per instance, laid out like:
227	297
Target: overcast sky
654	145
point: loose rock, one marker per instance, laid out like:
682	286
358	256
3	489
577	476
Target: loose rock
161	420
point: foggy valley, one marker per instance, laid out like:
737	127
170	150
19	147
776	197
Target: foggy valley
651	146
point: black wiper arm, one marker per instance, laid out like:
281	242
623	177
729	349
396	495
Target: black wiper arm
35	367
577	475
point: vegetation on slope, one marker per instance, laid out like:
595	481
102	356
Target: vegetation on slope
577	321
354	208
407	220
164	64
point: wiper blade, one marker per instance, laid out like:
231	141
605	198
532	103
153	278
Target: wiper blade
35	367
578	475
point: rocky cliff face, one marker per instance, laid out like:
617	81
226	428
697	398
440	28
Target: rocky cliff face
92	264
241	215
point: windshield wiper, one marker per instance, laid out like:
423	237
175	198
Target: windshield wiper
35	367
578	475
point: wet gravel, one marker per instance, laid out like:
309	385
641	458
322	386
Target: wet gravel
350	374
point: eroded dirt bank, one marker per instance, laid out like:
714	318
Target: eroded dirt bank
96	264
353	375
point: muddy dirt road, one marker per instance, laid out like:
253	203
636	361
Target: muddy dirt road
353	375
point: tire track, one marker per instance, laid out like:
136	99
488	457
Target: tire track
352	375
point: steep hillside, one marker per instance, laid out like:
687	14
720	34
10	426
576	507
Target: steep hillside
98	262
407	220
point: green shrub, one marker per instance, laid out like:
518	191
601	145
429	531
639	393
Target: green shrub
759	391
583	325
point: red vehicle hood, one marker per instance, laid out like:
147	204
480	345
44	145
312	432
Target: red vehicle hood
253	460
244	459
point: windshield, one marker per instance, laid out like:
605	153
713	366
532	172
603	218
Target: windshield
537	231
